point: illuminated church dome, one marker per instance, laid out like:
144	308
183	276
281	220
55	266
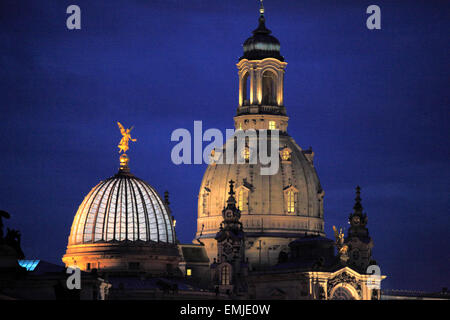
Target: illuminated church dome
275	209
123	225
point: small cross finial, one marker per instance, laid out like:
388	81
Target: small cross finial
231	193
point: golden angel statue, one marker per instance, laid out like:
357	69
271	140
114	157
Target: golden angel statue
126	137
339	236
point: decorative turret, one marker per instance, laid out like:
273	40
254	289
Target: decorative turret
261	73
231	214
230	269
169	211
359	242
358	219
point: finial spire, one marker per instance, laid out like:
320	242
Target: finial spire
261	9
231	192
358	206
231	200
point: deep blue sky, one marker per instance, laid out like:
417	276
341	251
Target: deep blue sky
372	104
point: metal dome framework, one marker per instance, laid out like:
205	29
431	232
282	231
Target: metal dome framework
122	208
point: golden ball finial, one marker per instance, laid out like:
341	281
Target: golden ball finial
124	162
261	9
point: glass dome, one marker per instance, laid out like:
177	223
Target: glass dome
122	208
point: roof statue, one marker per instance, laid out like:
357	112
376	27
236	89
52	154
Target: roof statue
126	137
341	247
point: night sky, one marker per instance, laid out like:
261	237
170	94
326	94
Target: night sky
372	104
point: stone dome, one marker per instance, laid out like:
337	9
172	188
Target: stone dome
262	44
283	206
122	208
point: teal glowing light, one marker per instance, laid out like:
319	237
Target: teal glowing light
30	265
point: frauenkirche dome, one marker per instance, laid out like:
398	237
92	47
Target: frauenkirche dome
275	209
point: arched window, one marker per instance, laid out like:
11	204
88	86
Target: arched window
291	201
242	198
205	197
225	275
246	154
269	92
245	90
342	293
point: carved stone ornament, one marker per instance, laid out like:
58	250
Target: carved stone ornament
344	278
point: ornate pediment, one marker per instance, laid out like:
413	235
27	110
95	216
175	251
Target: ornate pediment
344	278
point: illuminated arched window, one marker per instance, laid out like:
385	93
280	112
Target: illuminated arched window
246	154
241	198
245	90
225	275
291	201
269	92
290	198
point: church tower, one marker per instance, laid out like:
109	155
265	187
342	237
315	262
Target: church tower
278	208
230	270
359	242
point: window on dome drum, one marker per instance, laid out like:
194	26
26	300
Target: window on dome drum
272	125
291	201
225	275
189	272
246	154
205	203
242	199
269	94
245	90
